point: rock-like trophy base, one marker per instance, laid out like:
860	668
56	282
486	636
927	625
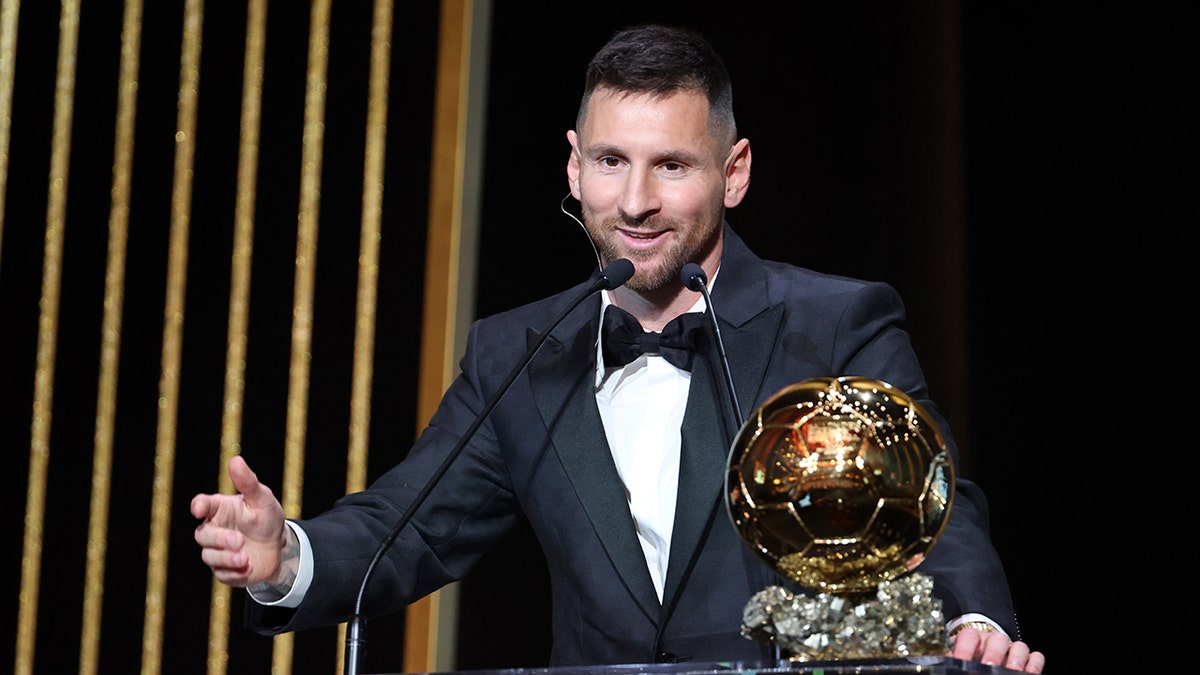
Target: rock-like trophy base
903	619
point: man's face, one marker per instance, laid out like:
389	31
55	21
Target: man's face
651	181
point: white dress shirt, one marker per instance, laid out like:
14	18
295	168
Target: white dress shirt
642	407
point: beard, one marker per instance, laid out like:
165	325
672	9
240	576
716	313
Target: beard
657	268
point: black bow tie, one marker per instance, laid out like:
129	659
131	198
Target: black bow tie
625	340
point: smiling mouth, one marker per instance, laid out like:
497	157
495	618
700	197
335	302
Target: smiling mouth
643	236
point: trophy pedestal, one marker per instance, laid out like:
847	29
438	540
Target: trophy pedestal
902	619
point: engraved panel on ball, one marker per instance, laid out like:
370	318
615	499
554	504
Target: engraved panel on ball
840	483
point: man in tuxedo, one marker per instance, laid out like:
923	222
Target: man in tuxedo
619	466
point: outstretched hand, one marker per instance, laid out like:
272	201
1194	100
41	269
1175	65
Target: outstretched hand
242	536
995	649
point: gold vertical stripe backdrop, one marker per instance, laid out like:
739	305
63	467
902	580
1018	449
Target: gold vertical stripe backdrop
239	303
306	264
368	262
43	393
9	10
446	184
168	401
431	623
110	339
441	290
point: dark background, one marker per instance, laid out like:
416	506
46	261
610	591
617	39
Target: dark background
1064	356
1076	190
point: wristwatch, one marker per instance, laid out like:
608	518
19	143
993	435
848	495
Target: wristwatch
981	626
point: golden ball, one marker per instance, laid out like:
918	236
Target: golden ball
840	483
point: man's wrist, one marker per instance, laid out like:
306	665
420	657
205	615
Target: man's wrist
289	564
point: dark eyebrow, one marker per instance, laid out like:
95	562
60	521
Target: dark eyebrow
681	156
601	150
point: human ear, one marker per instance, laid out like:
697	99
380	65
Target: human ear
574	164
737	173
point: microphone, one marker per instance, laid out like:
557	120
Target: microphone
613	276
695	279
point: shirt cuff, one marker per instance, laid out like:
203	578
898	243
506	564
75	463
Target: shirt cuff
303	573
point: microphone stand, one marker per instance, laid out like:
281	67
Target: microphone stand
696	280
613	276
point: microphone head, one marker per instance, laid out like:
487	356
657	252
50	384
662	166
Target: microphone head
617	273
693	277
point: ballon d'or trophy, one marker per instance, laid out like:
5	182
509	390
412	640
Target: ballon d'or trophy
842	485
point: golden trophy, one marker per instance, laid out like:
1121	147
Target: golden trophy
842	485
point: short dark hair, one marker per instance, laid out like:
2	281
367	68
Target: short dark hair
660	60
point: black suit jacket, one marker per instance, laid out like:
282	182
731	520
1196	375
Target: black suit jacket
542	454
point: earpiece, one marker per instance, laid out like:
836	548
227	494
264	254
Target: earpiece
562	206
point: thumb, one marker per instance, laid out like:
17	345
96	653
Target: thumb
246	482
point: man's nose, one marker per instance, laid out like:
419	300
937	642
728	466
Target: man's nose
640	196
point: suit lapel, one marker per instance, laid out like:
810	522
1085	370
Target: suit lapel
750	325
563	386
749	329
701	476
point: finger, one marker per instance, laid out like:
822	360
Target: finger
995	650
965	645
210	536
226	563
232	580
1036	662
1019	657
208	507
201	506
235	577
219	509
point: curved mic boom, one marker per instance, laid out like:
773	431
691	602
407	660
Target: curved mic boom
695	279
613	276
